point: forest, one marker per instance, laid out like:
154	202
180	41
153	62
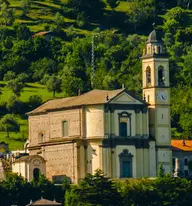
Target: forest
61	61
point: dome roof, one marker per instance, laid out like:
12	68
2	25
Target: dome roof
154	37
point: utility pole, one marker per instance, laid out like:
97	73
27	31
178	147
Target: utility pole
93	62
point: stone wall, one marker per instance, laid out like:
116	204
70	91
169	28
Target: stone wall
61	159
50	125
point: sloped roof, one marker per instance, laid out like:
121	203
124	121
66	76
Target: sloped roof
181	145
90	98
44	202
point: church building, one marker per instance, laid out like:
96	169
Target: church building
112	130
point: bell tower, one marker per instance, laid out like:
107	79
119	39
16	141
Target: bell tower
156	92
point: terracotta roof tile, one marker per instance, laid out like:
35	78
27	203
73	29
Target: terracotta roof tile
44	202
178	145
90	98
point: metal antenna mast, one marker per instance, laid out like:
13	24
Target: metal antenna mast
154	14
93	62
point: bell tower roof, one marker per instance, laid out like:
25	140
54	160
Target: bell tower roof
154	46
154	37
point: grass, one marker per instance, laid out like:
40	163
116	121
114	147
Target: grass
43	11
16	140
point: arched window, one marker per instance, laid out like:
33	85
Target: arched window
158	49
65	128
124	124
36	173
186	161
148	76
161	76
125	160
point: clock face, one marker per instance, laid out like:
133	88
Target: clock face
162	96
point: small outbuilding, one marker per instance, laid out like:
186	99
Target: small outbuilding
30	167
44	202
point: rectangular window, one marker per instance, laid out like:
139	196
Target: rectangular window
123	129
65	128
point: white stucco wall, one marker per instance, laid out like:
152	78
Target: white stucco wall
152	159
20	169
94	118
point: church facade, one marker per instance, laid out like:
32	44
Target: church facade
107	129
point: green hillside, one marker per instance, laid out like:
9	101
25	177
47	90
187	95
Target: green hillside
63	61
42	13
16	140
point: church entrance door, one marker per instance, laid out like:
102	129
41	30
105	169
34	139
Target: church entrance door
126	166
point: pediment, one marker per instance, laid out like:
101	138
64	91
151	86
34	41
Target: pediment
125	98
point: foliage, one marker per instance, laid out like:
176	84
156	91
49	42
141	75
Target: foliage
9	76
9	124
160	191
59	19
35	101
174	19
25	5
92	9
54	85
7	13
41	67
16	86
15	190
93	190
71	84
14	105
140	12
113	3
160	171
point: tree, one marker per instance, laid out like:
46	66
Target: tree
71	84
7	14
9	124
174	18
23	78
139	12
22	32
16	86
35	101
59	19
54	85
9	76
94	190
92	8
160	171
41	67
25	5
113	3
14	105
